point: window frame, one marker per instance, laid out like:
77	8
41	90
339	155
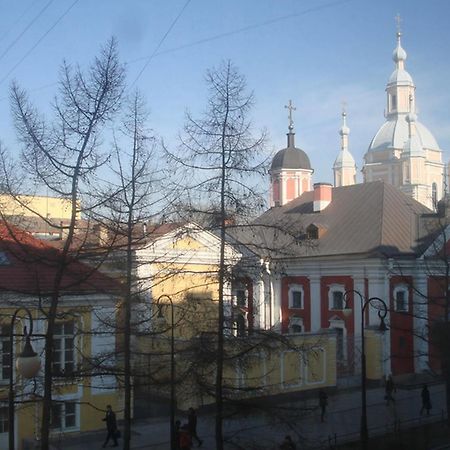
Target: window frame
295	321
403	289
5	341
336	288
63	415
296	288
63	362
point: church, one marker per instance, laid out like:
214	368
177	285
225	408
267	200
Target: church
403	152
326	250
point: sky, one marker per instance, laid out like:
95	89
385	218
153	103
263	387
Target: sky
318	53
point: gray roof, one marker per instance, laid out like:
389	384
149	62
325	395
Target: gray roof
375	219
291	157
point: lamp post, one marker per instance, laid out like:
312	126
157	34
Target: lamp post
382	313
172	371
28	364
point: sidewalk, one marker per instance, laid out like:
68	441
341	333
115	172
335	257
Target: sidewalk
300	419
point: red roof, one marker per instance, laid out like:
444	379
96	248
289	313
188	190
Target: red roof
29	265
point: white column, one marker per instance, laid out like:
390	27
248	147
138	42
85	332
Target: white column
258	302
276	301
314	286
282	189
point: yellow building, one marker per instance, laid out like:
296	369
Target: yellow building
178	276
37	206
84	340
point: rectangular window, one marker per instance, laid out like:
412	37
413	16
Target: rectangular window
64	348
295	325
241	299
64	415
297	299
401	300
394	102
338	300
5	348
4	427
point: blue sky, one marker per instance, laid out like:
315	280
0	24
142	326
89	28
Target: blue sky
318	53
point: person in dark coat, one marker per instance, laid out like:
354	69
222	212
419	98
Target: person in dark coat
176	437
111	426
426	400
184	438
192	424
323	402
389	391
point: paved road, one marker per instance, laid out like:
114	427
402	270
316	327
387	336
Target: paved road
301	420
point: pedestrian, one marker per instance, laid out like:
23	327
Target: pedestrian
111	426
192	423
288	444
323	402
176	436
184	438
426	400
389	390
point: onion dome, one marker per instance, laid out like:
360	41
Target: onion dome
399	53
291	157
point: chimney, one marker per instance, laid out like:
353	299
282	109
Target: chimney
322	196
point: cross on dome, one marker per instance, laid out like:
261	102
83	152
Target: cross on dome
291	108
398	21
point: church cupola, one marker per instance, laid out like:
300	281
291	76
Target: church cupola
290	172
400	87
344	167
403	151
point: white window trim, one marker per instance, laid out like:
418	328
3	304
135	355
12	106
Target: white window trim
296	288
3	328
295	320
69	399
76	344
335	288
401	288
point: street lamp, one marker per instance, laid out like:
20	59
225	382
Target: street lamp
28	364
172	370
382	313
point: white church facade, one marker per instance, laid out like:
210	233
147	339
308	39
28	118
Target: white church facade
403	152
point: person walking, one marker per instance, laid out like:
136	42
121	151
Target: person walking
111	426
426	400
323	402
192	424
176	436
389	390
184	436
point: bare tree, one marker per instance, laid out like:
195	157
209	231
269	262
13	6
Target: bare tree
223	157
131	205
63	157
